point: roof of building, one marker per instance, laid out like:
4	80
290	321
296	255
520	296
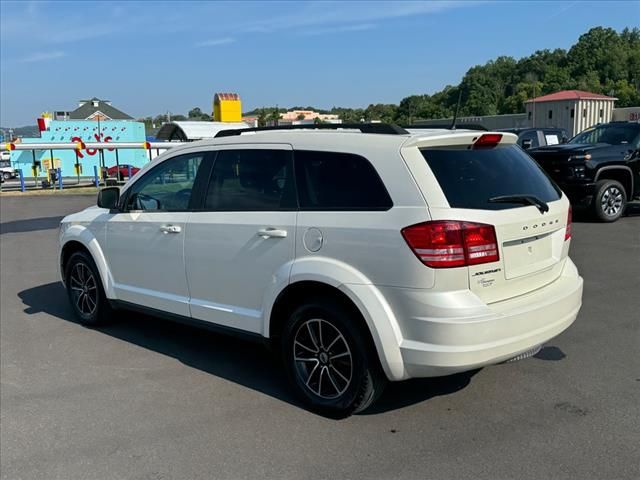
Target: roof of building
189	131
226	96
87	109
570	95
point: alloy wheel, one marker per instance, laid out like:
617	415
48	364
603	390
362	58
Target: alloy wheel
83	289
323	359
611	201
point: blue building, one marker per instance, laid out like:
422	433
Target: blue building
87	131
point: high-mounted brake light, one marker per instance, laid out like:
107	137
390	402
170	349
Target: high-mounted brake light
567	231
488	140
449	243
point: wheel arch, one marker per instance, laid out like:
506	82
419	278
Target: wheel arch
79	238
364	300
620	173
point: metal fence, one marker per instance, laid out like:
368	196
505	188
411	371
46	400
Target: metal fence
54	175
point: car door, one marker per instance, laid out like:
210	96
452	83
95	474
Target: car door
240	245
145	242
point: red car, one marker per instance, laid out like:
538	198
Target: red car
124	171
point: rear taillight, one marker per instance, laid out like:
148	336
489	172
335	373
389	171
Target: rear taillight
449	243
567	231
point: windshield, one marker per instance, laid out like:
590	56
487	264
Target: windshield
613	134
472	178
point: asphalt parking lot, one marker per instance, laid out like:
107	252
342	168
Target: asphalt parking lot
147	399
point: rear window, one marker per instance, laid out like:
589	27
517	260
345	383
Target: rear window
469	178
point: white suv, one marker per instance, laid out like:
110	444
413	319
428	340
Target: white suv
363	257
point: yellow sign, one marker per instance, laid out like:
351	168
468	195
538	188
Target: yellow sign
78	168
46	163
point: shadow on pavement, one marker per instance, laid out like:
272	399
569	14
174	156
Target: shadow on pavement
249	364
30	225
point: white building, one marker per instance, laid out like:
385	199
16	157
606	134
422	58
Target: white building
573	110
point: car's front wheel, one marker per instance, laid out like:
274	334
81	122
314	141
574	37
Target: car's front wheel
85	290
6	175
329	361
610	200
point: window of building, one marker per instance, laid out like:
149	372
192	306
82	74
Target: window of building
601	113
573	113
251	180
529	116
550	114
584	113
338	181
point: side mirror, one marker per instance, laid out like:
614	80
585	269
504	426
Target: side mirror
109	197
526	143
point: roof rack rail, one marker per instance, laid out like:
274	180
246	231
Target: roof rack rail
379	128
442	126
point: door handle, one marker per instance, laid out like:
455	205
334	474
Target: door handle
170	229
272	233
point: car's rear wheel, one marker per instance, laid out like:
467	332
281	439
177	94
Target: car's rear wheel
85	290
6	175
609	201
329	361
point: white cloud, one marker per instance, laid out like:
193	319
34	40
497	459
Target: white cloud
334	14
215	41
42	56
361	27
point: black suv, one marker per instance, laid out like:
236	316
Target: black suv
538	137
599	167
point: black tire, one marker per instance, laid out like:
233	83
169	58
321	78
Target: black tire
90	304
609	201
6	175
326	390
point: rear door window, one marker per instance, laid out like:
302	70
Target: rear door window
251	180
469	178
338	181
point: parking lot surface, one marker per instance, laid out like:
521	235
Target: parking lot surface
148	399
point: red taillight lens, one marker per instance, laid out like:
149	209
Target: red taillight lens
567	232
448	243
488	140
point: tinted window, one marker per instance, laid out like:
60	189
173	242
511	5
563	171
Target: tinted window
532	136
614	134
469	178
167	187
338	181
251	180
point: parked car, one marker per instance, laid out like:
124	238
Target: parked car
6	170
123	171
599	167
538	137
360	257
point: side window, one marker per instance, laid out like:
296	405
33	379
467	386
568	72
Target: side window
168	187
531	138
251	180
338	181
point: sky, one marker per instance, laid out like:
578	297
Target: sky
154	57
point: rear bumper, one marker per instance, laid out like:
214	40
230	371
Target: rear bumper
464	334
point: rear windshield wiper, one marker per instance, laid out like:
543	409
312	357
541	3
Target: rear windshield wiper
524	199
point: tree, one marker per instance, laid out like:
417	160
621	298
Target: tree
195	113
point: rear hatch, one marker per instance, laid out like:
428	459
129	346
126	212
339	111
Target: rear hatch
501	186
